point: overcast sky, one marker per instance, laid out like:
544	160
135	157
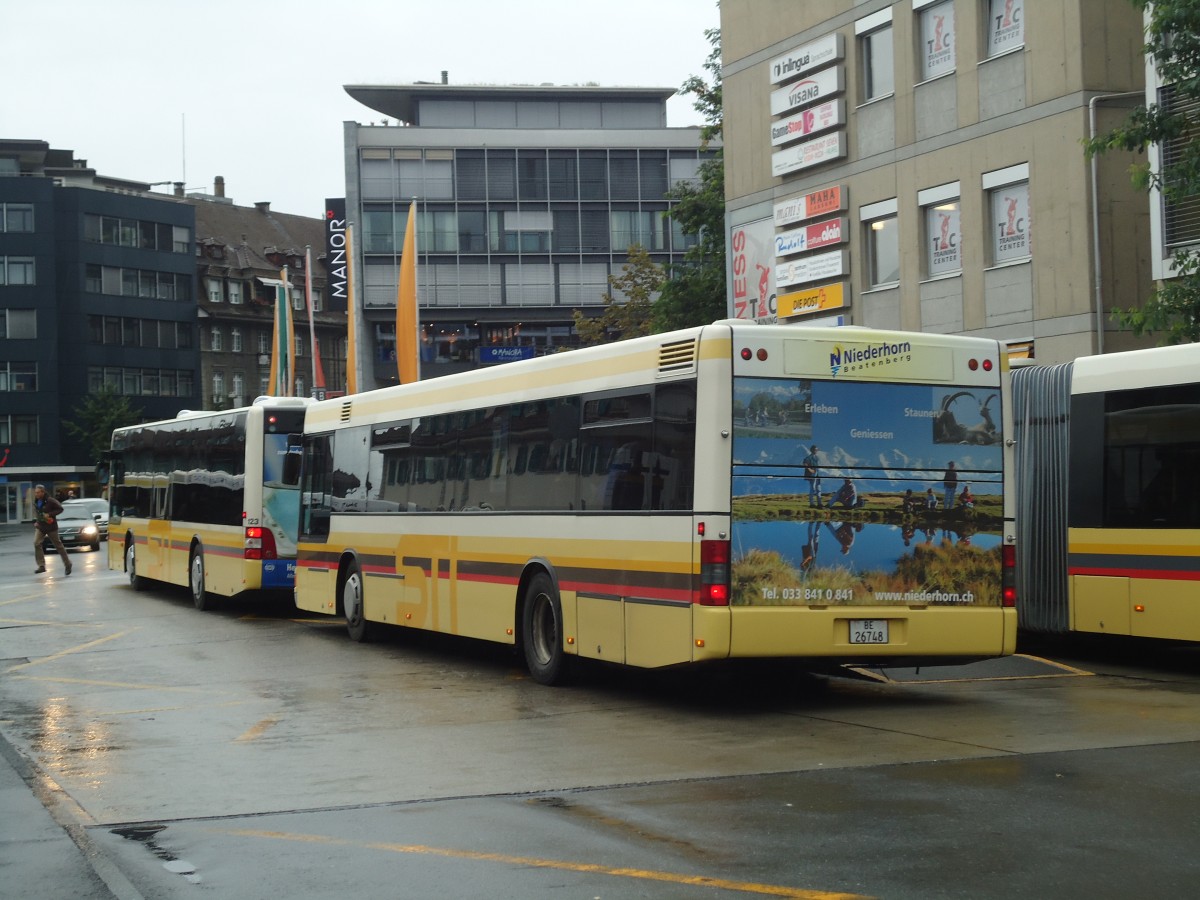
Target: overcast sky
166	90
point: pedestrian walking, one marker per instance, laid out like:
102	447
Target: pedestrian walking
46	510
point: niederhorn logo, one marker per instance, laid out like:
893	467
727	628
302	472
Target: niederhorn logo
851	359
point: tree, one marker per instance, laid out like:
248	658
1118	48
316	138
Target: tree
1173	43
695	290
639	280
94	420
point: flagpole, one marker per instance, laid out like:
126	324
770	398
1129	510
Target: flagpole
286	337
312	327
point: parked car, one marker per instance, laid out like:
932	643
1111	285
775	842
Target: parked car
96	508
76	528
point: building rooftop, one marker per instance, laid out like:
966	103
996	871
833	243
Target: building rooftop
401	102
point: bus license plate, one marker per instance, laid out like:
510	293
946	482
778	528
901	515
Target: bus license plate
868	631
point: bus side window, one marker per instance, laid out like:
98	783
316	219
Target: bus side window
315	488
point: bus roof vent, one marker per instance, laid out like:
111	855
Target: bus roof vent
677	357
346	410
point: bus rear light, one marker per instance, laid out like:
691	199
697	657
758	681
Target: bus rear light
987	365
747	353
1008	576
259	544
714	573
762	355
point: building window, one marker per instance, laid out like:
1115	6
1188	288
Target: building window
235	340
264	342
297	299
937	40
217	342
940	211
235	293
1181	214
1005	25
876	52
264	385
18	430
299	387
882	242
214	290
17	270
18	376
218	387
299	345
239	389
18	324
16	217
1008	209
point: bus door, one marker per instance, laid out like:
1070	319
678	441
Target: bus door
157	555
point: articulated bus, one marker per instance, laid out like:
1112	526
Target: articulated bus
200	500
676	499
1108	454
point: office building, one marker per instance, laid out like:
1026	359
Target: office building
96	291
919	165
528	199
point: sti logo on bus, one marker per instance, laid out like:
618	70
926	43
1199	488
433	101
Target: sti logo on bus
851	359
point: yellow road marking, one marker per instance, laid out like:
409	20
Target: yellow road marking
36	595
746	887
60	654
1067	672
50	679
256	731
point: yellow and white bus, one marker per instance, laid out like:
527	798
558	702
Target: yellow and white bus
646	502
1109	496
200	500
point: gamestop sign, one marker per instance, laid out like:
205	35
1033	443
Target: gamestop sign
818	118
819	234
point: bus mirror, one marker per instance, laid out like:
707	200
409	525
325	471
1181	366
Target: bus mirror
291	460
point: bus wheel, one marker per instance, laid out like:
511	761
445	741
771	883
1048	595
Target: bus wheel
357	625
136	581
196	579
542	632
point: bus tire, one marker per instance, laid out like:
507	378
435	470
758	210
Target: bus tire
136	581
196	583
542	631
357	626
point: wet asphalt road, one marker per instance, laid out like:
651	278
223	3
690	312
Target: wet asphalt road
252	752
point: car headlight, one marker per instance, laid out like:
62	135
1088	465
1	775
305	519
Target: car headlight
89	529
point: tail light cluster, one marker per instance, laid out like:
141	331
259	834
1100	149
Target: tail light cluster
974	365
714	573
260	543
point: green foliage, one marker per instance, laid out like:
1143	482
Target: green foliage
694	293
639	280
1173	42
94	420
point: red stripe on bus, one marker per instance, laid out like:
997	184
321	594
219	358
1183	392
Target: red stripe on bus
1156	574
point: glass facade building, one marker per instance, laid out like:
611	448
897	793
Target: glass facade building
527	201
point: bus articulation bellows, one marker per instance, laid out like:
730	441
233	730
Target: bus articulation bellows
200	500
1108	458
677	498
